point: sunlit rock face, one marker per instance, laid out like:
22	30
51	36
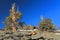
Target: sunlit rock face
25	35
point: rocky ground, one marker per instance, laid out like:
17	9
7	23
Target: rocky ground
25	36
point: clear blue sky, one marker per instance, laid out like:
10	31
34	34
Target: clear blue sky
32	10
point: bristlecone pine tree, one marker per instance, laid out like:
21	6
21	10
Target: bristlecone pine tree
12	19
46	25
